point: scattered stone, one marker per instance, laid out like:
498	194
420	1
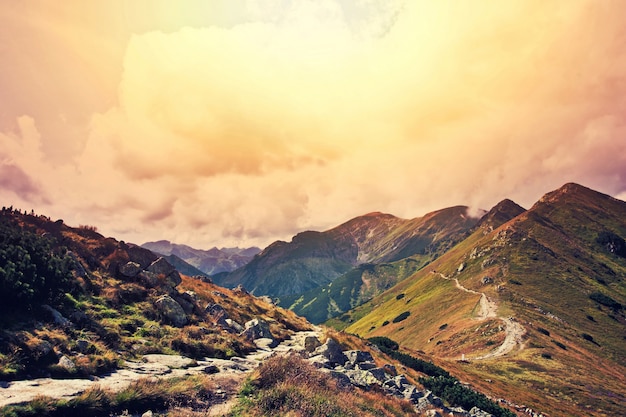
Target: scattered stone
147	414
171	311
358	356
311	343
432	413
257	329
161	267
390	369
142	256
461	267
211	369
57	317
130	269
487	280
236	327
67	364
83	345
363	379
331	350
240	289
148	279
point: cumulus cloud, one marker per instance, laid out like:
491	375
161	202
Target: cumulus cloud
306	114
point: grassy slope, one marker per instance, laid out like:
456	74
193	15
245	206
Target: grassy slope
545	263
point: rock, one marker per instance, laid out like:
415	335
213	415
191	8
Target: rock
215	310
378	373
412	394
161	267
83	345
477	412
343	381
236	327
67	364
331	350
487	280
429	413
358	356
364	379
257	329
319	361
130	269
187	305
461	267
57	317
171	361
147	414
364	366
171	311
211	369
267	299
240	289
311	343
142	256
42	350
173	279
77	266
148	279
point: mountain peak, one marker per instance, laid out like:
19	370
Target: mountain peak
501	213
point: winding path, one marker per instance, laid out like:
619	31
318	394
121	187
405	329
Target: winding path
153	366
513	330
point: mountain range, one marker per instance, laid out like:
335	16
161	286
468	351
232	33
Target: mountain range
315	259
207	262
530	302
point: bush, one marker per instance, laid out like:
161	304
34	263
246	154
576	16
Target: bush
449	389
544	331
605	300
401	316
32	272
612	243
400	296
384	342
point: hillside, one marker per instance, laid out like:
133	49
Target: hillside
93	326
365	281
315	259
209	262
75	303
534	306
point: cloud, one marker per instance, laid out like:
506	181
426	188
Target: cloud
310	113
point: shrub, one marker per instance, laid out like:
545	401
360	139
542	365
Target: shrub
612	243
384	342
544	331
449	389
400	296
546	355
401	316
605	300
559	344
31	272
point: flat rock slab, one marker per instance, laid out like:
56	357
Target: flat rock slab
171	361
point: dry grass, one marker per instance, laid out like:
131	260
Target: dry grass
290	386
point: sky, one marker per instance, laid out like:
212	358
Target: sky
238	123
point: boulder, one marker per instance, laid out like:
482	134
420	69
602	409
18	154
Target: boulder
185	302
257	329
148	279
234	326
67	364
358	356
363	379
477	412
311	343
171	311
331	350
378	373
173	279
343	381
58	318
390	369
142	256
319	361
161	267
130	269
83	345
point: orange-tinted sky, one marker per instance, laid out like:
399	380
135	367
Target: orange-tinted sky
238	122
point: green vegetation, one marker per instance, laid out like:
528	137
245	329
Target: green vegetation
605	300
455	393
34	270
402	316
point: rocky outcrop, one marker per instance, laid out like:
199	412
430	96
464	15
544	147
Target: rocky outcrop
171	311
258	329
130	269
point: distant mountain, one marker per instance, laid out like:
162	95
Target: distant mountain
314	259
365	281
534	304
209	262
